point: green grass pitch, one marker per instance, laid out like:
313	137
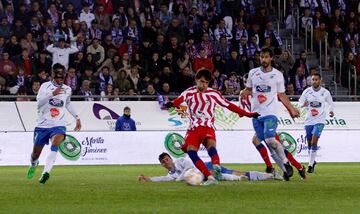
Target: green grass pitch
334	188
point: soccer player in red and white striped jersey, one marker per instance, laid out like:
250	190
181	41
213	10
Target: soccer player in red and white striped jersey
201	102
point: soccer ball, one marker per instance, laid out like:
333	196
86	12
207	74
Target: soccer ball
193	177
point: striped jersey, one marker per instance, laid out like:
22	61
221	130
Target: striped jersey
201	105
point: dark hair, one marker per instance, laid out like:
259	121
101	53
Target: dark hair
203	73
267	50
317	74
163	155
127	108
59	70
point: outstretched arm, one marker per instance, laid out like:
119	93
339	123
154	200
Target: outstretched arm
285	101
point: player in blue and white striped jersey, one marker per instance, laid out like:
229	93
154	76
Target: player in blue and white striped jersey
314	99
53	100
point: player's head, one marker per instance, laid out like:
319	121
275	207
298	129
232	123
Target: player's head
166	161
266	57
59	73
316	80
127	111
203	78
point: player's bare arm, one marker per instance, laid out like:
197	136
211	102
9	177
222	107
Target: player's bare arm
245	92
286	102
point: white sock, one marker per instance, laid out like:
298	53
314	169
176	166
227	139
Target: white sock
278	148
230	177
258	176
50	160
33	162
277	159
312	156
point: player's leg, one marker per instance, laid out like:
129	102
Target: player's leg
270	125
40	139
264	154
293	161
57	136
191	146
316	132
210	145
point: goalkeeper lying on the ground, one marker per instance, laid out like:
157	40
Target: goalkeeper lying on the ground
177	168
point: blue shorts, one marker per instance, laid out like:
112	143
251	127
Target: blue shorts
42	135
223	169
265	127
314	130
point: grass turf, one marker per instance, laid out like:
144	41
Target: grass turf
334	188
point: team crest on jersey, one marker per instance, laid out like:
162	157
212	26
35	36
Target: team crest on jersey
315	104
263	88
56	102
272	76
261	98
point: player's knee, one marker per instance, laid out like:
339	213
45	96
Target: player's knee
255	140
272	142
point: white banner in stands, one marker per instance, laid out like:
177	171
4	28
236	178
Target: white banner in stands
144	147
101	116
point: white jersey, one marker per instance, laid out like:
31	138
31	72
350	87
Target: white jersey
265	88
51	109
316	100
61	55
181	166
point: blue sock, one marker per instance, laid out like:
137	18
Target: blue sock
54	148
193	156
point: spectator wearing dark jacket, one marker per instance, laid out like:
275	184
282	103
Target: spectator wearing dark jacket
125	123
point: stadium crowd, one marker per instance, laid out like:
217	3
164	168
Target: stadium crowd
150	47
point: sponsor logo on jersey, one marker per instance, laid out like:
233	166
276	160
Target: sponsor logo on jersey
314	112
315	104
54	112
263	88
261	98
56	102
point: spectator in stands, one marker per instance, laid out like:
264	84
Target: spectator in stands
254	62
41	76
232	85
347	70
134	78
222	31
217	81
337	53
219	63
202	61
88	75
300	80
71	80
122	83
186	79
13	47
223	48
35	86
6	64
61	52
104	78
166	90
290	89
234	64
102	18
97	51
22	92
300	62
125	123
286	61
108	92
128	47
168	76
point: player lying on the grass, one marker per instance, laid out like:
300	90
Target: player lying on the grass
177	168
201	101
314	99
264	155
53	100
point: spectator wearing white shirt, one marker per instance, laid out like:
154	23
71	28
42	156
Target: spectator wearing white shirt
61	52
86	15
221	30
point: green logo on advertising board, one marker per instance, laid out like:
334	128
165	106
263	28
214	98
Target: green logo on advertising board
288	142
173	143
70	148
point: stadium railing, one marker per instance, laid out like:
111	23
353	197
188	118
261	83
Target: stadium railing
339	98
